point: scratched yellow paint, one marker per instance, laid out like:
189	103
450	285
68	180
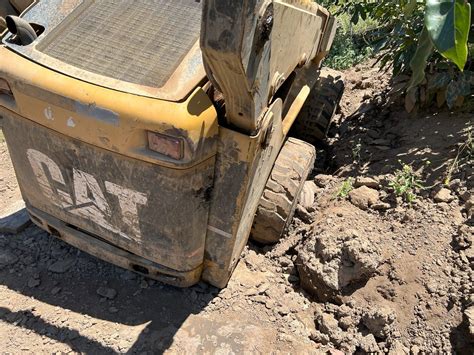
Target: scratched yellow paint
102	117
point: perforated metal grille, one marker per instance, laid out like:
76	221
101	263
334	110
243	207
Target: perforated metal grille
140	42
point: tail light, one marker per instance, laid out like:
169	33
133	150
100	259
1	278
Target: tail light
5	88
172	147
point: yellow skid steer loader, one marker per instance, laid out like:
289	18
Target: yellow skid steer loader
154	134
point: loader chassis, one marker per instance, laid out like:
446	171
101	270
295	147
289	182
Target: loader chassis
77	121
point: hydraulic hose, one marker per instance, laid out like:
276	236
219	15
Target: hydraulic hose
16	25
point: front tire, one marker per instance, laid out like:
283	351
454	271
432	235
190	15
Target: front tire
280	197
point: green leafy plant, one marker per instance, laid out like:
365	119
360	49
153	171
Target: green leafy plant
447	24
352	42
406	183
431	41
346	187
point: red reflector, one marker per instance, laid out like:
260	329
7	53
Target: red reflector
5	87
170	146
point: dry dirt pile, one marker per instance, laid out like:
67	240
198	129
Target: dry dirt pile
392	272
361	270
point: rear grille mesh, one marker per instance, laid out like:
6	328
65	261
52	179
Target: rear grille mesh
140	42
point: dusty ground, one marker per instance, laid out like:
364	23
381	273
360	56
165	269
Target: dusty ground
9	191
361	272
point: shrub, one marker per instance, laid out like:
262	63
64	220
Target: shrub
431	40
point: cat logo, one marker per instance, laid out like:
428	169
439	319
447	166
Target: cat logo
88	200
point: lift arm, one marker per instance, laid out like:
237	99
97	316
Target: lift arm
251	47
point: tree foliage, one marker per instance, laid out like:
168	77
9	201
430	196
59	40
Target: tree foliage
429	40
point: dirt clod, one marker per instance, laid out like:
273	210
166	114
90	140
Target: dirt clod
107	292
328	263
366	181
61	266
378	322
7	258
364	197
443	195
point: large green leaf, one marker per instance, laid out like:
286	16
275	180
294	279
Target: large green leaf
420	59
448	23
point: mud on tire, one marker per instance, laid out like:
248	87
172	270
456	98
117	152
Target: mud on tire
280	197
315	118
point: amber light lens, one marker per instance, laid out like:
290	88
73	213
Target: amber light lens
5	87
170	146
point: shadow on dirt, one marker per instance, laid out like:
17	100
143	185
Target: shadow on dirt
27	320
459	338
377	140
157	309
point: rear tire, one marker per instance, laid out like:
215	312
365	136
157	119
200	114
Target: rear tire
313	122
280	197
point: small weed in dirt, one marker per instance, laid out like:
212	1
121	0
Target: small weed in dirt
406	183
465	155
346	187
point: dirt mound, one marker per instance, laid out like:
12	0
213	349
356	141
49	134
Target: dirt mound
354	329
390	251
329	263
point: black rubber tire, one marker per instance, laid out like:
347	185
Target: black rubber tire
313	122
280	197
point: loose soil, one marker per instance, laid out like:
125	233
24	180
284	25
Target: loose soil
360	271
9	190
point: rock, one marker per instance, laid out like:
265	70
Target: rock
303	214
368	344
327	324
323	180
373	133
328	263
470	207
107	292
33	282
466	196
381	142
366	181
469	315
469	253
293	279
307	194
379	321
443	195
128	275
381	206
464	237
7	258
319	337
61	266
252	291
285	261
15	219
398	348
346	323
364	197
